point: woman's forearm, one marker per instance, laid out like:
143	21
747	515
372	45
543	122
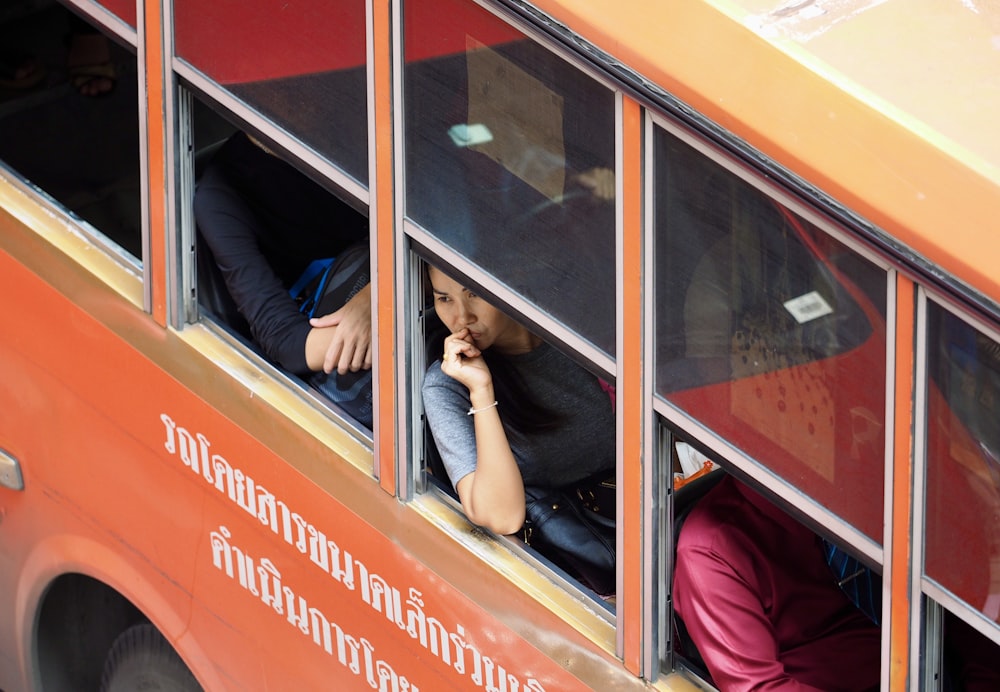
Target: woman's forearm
493	495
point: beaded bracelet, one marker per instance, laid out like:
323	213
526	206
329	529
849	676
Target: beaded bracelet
477	410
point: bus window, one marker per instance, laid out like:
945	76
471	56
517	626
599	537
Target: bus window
770	332
270	239
74	131
962	517
510	158
510	415
756	597
301	64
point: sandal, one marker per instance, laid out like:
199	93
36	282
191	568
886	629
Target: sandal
19	71
91	70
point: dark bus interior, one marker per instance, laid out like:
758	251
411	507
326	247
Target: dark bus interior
69	116
83	150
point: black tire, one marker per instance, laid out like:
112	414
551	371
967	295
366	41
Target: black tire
142	659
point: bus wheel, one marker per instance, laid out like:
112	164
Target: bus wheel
142	659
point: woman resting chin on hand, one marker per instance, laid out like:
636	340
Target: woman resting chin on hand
506	409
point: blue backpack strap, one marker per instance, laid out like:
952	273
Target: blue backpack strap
315	268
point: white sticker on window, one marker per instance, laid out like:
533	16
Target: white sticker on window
808	307
467	135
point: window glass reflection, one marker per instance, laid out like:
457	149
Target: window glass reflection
963	462
123	9
770	332
510	159
301	64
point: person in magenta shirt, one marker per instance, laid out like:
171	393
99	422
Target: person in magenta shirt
759	601
757	597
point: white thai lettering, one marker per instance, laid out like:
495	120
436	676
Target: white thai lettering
389	681
369	657
222	555
416	621
488	667
245	495
188	448
317	548
439	640
245	571
266	509
457	638
296	616
206	467
477	665
170	444
345	574
270	585
355	649
224	476
450	647
293	528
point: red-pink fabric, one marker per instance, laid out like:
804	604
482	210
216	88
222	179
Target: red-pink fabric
610	390
758	599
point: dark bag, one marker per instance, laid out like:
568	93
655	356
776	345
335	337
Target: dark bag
560	526
325	287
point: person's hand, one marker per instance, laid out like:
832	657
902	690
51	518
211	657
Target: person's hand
463	361
600	182
350	347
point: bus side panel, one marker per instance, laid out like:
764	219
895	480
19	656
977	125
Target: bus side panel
256	575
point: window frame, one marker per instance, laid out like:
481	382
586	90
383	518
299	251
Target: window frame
670	418
413	243
924	588
699	432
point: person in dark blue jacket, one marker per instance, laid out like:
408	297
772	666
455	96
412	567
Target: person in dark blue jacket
264	223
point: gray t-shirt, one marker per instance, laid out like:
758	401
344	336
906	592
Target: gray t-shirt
581	446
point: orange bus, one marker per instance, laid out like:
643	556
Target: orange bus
762	223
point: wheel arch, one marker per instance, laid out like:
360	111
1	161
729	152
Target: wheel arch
75	596
78	620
